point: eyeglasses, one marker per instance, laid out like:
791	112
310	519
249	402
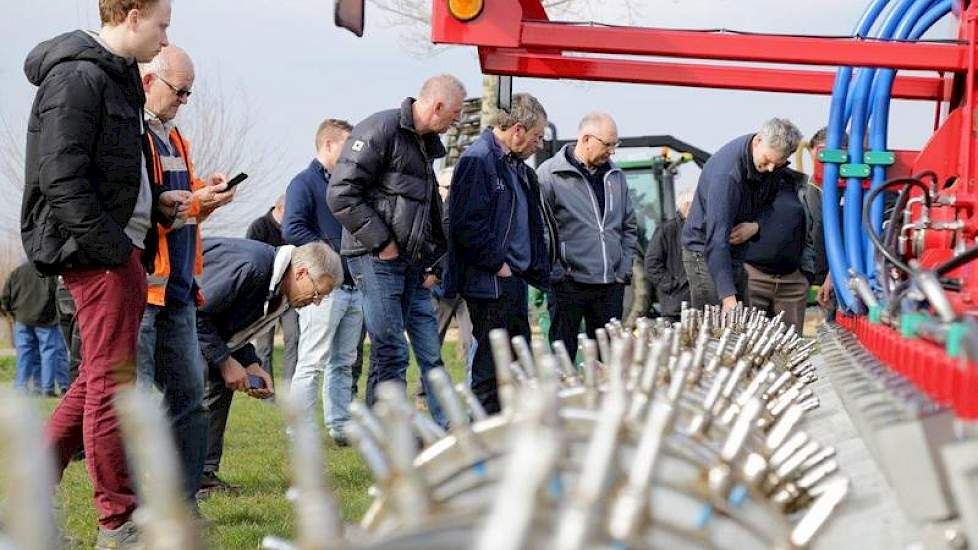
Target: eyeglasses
180	93
614	145
316	295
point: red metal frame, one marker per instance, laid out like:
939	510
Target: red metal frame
515	37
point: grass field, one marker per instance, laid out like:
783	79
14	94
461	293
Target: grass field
256	458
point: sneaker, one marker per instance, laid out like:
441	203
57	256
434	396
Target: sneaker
210	484
125	537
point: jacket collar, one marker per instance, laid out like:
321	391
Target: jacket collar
561	164
748	156
317	167
283	257
432	142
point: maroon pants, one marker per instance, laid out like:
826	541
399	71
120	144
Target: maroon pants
110	307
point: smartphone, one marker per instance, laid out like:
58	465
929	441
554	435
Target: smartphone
255	382
236	180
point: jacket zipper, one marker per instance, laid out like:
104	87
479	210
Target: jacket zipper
600	221
414	250
512	215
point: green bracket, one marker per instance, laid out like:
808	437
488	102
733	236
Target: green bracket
854	170
835	156
884	158
955	336
909	323
874	314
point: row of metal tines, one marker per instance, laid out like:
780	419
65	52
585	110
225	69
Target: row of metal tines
665	436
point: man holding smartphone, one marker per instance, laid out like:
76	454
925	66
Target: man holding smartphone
249	285
168	350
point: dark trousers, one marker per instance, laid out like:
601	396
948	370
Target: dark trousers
110	305
217	400
69	326
357	366
575	302
265	346
702	290
510	312
169	358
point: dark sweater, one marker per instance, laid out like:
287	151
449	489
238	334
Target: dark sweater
778	251
265	229
307	216
29	297
730	191
595	178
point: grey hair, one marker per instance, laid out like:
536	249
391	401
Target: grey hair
157	66
781	134
593	120
320	260
440	86
524	109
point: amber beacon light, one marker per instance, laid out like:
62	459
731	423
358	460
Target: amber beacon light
465	10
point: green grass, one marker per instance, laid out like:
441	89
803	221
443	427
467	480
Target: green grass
256	457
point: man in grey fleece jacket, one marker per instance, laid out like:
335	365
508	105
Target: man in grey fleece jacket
598	232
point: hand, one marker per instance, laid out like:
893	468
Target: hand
215	193
235	376
504	271
430	281
261	393
390	252
824	296
743	232
176	204
730	302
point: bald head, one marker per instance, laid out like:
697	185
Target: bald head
597	139
439	104
167	81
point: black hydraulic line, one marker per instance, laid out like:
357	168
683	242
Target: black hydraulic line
867	221
957	261
890	233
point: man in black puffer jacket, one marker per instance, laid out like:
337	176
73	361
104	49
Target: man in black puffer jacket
89	215
384	193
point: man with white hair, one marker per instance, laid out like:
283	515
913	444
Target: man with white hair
589	198
168	350
384	193
664	261
738	183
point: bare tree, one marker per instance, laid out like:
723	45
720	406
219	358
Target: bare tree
11	175
414	16
220	125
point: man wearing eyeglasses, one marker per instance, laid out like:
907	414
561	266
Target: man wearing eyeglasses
499	230
738	183
249	285
168	351
598	231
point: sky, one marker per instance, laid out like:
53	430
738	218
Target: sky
287	67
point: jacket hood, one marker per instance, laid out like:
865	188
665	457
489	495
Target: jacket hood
73	46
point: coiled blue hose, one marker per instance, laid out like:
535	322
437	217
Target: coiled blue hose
838	263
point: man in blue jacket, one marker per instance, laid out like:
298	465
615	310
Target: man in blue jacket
499	233
248	285
736	185
329	331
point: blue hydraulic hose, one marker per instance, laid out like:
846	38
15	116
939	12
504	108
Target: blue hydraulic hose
855	241
832	229
914	26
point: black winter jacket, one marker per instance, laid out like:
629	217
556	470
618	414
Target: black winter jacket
266	229
384	188
84	149
664	266
29	297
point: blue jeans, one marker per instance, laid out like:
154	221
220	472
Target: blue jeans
42	356
395	301
328	338
169	358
